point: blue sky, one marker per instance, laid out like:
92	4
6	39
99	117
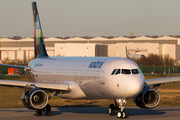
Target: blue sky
91	17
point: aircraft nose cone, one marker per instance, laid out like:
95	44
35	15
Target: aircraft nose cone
135	87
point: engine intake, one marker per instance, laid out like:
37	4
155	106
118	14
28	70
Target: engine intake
35	99
149	98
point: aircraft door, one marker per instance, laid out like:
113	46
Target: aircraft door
100	85
102	77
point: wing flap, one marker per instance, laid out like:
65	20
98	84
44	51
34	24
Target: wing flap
49	86
161	80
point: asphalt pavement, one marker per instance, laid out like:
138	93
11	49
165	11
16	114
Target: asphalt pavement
92	113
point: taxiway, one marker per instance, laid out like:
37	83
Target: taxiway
95	113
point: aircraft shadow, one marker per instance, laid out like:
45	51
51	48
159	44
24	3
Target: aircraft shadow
104	110
98	110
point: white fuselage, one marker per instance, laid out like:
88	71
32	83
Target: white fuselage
90	77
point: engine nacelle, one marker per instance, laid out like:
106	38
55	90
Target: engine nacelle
35	99
149	98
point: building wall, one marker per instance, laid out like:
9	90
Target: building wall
50	52
72	49
169	49
111	50
11	55
4	54
119	49
29	54
21	53
17	50
178	42
178	52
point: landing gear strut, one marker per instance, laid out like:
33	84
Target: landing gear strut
46	110
119	107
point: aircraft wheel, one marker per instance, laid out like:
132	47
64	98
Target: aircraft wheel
119	114
39	112
47	110
124	115
111	110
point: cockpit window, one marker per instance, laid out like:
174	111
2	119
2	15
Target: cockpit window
126	71
135	71
113	71
118	71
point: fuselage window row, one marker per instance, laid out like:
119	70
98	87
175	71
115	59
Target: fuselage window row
124	71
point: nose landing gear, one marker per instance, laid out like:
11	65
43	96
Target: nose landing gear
119	107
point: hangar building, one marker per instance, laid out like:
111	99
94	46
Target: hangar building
23	49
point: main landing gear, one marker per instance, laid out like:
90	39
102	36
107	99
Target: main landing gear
119	107
46	110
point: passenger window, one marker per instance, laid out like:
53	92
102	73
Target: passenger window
135	71
118	71
113	71
126	71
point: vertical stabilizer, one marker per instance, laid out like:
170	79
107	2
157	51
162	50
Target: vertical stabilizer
40	50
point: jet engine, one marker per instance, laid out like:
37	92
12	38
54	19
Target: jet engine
35	99
149	98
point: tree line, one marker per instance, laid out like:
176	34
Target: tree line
155	59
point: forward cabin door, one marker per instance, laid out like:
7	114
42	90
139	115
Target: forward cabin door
103	71
100	85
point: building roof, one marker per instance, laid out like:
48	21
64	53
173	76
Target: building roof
6	40
166	38
121	38
25	39
99	38
143	38
170	37
76	39
53	39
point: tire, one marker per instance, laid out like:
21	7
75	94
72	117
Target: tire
48	110
119	114
124	115
111	110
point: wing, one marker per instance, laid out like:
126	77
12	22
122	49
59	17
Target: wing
44	86
15	66
162	80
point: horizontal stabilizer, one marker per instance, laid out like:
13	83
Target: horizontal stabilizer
15	66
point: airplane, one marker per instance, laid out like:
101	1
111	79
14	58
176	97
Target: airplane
84	78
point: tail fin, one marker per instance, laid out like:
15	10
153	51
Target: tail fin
40	50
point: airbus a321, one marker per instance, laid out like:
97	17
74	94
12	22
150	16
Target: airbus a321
113	78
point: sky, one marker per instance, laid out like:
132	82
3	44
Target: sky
91	17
